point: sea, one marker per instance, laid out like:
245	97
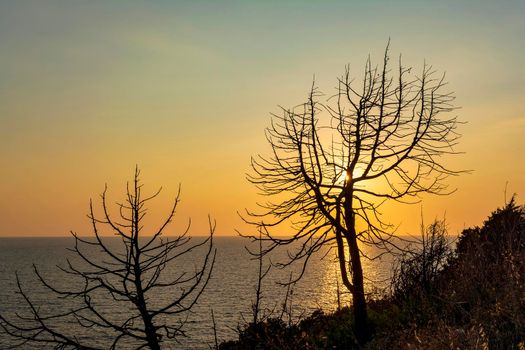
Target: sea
229	294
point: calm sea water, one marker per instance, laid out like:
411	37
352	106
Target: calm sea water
230	292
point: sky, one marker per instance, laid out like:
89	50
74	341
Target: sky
184	90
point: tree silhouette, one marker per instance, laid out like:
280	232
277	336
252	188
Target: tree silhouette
125	295
334	164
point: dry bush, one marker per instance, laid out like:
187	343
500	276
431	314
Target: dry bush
472	299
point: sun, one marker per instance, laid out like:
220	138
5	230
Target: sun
343	177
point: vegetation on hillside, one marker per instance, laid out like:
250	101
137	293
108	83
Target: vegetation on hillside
468	297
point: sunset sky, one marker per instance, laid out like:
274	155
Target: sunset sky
184	89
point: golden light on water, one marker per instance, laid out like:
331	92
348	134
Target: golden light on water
377	272
332	286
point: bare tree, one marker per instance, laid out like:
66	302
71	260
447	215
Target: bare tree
127	295
334	164
261	274
418	268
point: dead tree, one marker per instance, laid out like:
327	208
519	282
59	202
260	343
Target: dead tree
334	164
126	275
261	274
418	268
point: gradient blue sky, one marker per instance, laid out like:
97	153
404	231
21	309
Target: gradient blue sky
88	89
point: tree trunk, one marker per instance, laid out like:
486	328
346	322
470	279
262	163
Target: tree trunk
149	328
151	334
358	292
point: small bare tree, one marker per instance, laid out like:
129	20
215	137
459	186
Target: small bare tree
334	164
125	295
261	274
418	267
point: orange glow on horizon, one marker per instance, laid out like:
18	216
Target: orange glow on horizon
185	90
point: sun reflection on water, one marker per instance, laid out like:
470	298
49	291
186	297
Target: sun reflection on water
332	291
